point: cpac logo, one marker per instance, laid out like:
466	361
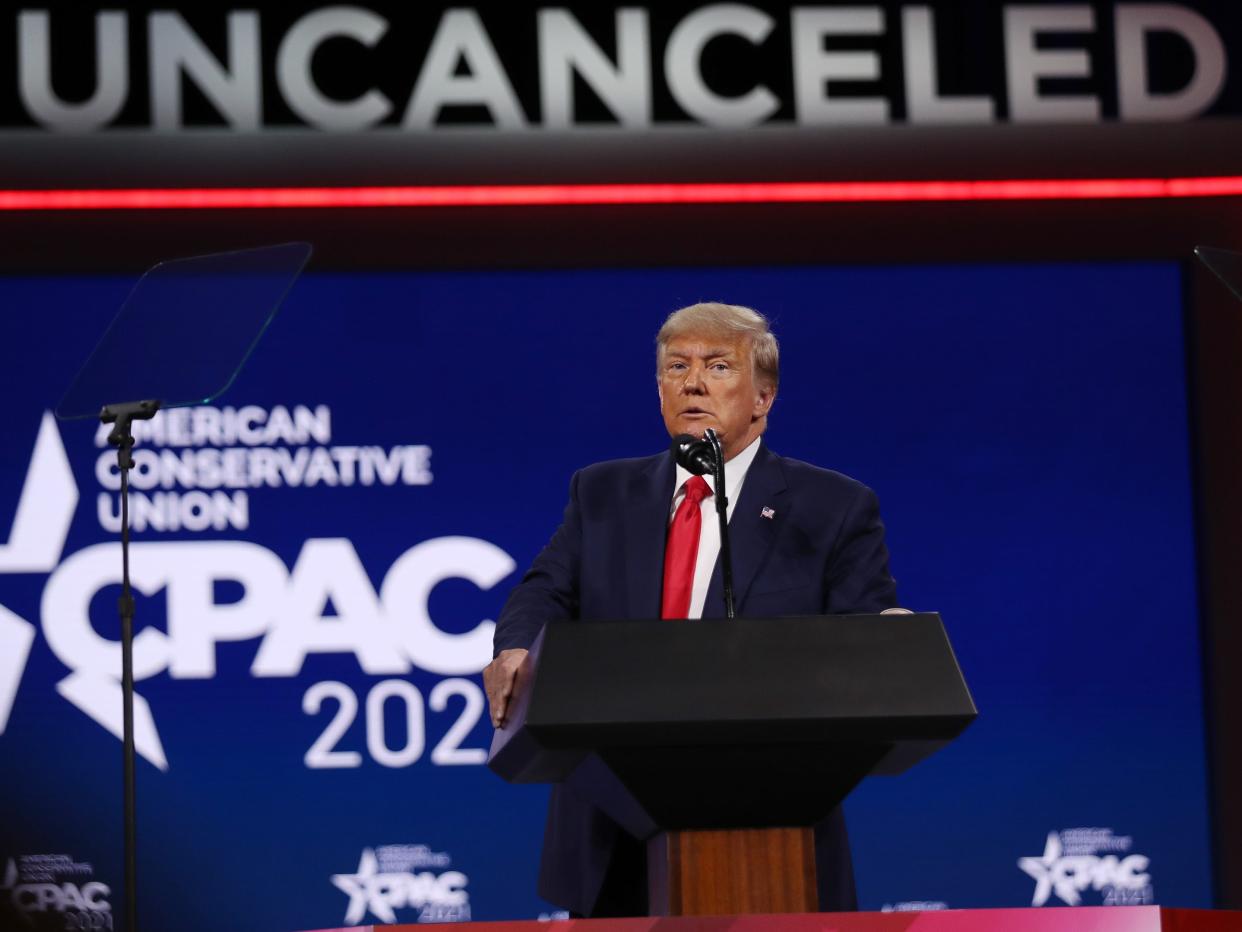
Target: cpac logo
389	631
1121	881
44	896
384	888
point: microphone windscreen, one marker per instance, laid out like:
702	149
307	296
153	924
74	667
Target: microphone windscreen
693	455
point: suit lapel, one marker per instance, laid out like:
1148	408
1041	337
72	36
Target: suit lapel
645	525
750	532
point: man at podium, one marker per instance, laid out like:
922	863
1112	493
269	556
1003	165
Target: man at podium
640	539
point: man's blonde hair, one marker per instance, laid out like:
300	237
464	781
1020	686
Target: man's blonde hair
712	317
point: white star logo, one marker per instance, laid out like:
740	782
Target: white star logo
35	542
367	890
45	509
1041	869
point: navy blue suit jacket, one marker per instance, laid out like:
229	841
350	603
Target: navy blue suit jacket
821	551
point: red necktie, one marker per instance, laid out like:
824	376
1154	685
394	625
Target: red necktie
682	550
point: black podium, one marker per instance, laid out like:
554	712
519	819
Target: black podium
723	742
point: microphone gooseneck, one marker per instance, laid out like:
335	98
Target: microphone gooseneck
722	514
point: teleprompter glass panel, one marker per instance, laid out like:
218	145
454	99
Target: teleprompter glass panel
1225	265
185	330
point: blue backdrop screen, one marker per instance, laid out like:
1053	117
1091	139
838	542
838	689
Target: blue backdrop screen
319	554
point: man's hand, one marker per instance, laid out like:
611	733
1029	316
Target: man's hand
500	679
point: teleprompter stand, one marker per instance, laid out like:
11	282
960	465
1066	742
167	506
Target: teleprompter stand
122	416
180	339
722	743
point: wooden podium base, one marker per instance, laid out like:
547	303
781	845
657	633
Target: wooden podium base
720	873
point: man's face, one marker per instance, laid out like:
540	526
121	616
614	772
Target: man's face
707	381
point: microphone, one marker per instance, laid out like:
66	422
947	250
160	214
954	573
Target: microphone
700	457
722	513
693	455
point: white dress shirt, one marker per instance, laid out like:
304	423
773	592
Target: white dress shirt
709	534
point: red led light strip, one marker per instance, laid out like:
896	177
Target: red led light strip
548	195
